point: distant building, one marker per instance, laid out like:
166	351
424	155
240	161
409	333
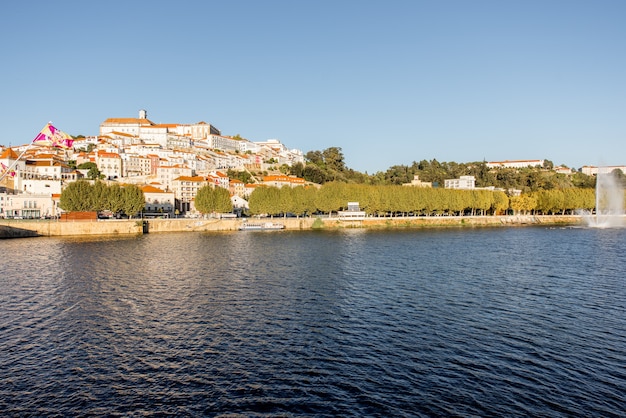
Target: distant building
563	170
515	163
158	201
29	206
186	188
462	183
109	164
144	129
591	170
280	181
416	182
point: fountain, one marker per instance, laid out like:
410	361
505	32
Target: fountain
609	202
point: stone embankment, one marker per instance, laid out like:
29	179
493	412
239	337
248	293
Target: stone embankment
28	228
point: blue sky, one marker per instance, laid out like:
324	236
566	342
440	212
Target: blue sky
390	82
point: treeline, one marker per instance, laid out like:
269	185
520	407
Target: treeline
83	196
378	200
329	165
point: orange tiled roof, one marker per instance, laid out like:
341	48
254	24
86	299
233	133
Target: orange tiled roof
514	161
151	189
9	153
44	163
128	121
108	155
285	179
187	178
122	134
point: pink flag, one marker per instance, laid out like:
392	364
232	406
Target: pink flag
4	168
51	136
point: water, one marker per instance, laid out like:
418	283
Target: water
484	322
609	202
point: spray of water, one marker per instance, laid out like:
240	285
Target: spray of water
609	202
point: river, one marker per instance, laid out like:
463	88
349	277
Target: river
526	321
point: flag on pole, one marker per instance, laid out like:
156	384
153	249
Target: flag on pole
51	136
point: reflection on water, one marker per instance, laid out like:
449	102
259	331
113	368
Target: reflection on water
520	321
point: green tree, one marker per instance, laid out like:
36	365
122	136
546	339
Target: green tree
243	175
213	200
331	197
314	174
500	203
93	171
333	158
134	200
76	197
115	198
296	169
99	196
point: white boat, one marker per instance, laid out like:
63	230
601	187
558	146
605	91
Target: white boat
260	226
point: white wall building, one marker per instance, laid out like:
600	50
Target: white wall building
41	187
591	170
515	164
27	205
109	164
463	183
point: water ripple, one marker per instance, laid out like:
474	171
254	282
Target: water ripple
351	323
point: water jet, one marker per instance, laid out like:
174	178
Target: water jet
609	201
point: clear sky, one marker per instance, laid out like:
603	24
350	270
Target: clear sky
390	82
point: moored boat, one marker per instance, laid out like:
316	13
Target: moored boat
260	226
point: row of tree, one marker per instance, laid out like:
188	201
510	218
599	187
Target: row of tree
83	196
401	200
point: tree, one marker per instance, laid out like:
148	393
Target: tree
209	200
331	197
314	174
93	171
315	157
243	176
296	169
500	202
76	197
115	198
99	196
333	158
134	199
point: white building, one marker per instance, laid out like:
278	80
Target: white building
515	164
109	164
148	131
416	182
28	206
166	174
41	186
463	183
158	201
593	171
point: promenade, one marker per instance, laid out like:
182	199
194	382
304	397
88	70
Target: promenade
33	228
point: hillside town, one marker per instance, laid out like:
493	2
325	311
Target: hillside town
169	162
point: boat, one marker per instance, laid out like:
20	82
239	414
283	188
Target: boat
261	226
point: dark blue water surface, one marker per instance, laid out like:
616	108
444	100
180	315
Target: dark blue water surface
477	322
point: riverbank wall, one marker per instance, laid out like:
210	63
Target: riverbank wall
34	228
